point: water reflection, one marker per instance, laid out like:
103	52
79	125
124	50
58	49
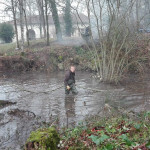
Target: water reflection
70	109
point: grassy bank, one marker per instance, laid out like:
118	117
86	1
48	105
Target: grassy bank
109	133
9	49
57	56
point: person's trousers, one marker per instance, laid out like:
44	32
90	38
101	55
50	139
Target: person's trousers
72	89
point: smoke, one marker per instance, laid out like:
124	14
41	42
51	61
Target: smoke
74	41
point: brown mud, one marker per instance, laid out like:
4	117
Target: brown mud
56	57
59	55
43	60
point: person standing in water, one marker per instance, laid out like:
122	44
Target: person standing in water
70	81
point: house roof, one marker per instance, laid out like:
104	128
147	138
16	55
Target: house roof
35	20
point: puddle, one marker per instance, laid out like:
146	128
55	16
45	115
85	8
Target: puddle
31	98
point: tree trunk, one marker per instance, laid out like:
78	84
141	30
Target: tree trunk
21	23
56	20
27	34
137	15
42	17
30	14
15	24
68	19
147	13
47	25
40	26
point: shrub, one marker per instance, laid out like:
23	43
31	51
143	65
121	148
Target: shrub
6	32
45	139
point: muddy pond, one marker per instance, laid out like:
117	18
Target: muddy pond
30	100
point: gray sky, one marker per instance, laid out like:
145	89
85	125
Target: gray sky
3	15
7	17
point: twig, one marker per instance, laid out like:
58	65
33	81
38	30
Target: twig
45	92
96	90
54	122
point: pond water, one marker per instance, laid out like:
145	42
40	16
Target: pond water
40	98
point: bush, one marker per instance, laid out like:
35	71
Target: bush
45	139
6	32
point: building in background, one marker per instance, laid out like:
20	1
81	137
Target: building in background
78	22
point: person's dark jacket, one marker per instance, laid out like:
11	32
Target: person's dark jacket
69	78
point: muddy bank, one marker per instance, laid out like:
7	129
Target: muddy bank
48	59
15	126
59	56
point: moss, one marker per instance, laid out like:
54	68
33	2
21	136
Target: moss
60	58
23	54
45	139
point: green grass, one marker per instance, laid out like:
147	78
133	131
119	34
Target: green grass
9	49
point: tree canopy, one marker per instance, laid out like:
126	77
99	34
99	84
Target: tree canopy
6	32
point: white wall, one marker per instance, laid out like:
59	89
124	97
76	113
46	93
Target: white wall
51	31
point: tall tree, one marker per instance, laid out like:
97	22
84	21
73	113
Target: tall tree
42	16
137	15
26	24
47	23
29	4
6	32
21	3
56	19
147	13
15	22
40	25
68	19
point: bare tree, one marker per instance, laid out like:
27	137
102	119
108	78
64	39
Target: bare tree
13	4
26	24
42	16
56	19
47	23
147	12
21	11
68	18
137	15
113	51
